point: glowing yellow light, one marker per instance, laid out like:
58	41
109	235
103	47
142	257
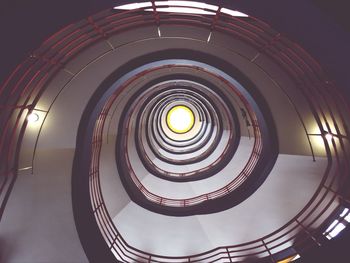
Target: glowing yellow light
290	259
180	119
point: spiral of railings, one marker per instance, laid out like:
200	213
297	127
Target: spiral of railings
24	87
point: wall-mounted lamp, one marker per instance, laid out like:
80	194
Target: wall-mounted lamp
33	117
328	136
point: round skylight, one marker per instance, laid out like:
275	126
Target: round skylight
180	119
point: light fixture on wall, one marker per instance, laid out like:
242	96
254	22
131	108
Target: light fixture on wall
33	117
328	136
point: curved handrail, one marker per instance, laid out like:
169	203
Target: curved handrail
263	242
64	45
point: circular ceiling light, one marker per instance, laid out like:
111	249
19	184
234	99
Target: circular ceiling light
180	119
33	117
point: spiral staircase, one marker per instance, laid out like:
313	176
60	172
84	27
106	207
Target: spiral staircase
96	168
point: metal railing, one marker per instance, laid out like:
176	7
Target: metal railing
300	228
22	90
